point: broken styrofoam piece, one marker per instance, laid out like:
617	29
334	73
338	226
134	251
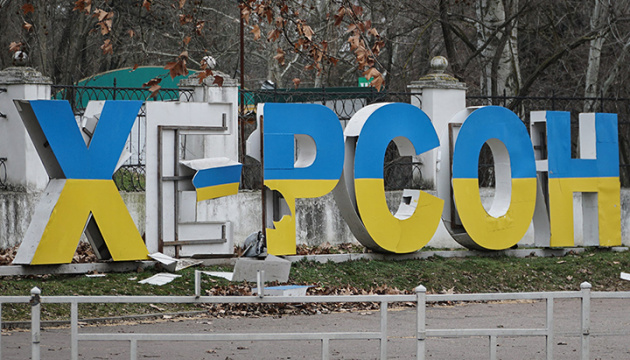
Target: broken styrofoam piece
168	263
171	264
284	290
207	163
625	276
186	263
222	274
159	279
275	268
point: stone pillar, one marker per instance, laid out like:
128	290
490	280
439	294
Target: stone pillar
208	92
440	96
25	171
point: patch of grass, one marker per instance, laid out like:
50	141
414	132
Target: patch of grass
601	268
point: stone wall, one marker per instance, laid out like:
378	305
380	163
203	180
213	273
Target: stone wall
318	220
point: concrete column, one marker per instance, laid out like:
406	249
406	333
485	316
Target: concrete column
25	171
208	92
440	96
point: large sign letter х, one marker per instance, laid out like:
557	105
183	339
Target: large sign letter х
81	195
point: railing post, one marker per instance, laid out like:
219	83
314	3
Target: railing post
384	330
0	331
493	347
36	309
133	349
586	319
197	283
74	330
421	303
325	349
260	279
549	347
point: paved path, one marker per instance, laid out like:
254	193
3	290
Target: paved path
606	315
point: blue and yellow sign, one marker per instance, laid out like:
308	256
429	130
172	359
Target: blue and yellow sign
81	193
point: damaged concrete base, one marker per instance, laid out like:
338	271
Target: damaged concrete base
276	269
71	269
249	266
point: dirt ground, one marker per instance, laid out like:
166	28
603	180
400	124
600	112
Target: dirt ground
606	315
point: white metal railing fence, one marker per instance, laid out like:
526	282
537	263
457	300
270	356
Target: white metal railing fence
420	298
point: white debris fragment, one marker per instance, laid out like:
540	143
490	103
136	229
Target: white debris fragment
171	264
159	279
222	274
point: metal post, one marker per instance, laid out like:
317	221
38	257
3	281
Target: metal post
549	347
260	277
421	327
384	330
197	283
36	309
0	330
74	330
133	349
586	319
493	347
325	349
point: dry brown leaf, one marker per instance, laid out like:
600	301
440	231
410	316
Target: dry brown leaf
308	32
186	40
147	5
182	3
339	16
131	33
378	82
100	14
27	26
28	8
152	82
205	73
185	19
107	47
245	13
354	41
280	56
154	90
15	46
199	27
177	68
296	82
256	32
279	22
218	80
83	5
135	66
273	35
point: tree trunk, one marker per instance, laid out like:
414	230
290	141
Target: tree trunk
598	20
500	68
